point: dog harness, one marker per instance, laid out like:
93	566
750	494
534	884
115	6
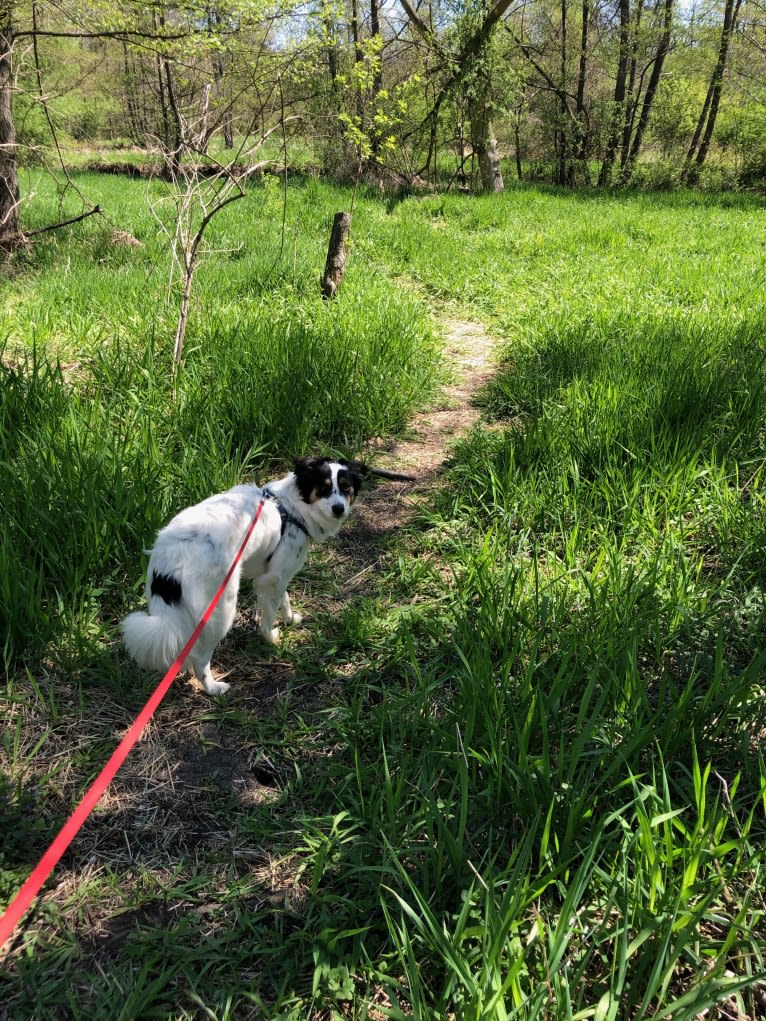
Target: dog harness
286	517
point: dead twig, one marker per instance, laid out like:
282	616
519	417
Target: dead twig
65	223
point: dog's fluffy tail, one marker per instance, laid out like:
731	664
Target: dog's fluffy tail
153	642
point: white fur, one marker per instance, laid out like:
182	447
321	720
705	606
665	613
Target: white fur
197	548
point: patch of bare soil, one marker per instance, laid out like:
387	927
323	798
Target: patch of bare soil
470	350
358	555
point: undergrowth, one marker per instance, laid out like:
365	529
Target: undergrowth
519	772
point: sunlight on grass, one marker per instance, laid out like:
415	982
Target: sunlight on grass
519	774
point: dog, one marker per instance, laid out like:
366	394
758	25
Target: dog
193	552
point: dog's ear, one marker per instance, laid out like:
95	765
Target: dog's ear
303	465
357	470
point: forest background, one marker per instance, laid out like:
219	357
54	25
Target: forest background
617	92
512	766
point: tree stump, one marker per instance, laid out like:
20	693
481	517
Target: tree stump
335	266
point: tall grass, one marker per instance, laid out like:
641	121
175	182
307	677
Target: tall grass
102	440
521	774
608	639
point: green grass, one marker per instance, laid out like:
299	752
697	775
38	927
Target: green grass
518	772
96	453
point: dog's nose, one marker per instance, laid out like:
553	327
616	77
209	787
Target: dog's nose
338	510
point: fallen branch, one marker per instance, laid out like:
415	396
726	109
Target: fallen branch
210	169
64	223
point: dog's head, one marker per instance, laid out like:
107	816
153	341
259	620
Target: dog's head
328	487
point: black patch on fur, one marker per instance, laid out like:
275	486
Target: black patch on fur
166	588
313	476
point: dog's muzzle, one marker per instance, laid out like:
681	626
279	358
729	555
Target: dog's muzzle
338	510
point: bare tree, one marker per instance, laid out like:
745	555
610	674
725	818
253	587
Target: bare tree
703	134
198	193
10	230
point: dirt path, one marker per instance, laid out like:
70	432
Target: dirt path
174	796
470	351
186	756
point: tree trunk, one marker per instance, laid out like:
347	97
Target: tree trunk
10	229
228	129
483	144
335	266
695	157
161	90
175	148
582	144
631	98
563	175
651	91
377	83
332	153
356	35
331	46
474	47
605	175
131	107
697	134
375	31
183	315
219	77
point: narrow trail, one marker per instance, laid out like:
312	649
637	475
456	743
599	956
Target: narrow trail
166	802
470	352
185	753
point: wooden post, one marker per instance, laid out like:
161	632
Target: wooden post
335	266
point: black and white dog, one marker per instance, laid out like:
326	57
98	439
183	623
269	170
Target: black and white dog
193	553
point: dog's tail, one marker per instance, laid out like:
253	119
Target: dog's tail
153	642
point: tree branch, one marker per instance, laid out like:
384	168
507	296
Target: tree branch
64	223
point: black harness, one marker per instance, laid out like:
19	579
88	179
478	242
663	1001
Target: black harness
287	519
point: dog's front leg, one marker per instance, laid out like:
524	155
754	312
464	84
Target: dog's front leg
269	600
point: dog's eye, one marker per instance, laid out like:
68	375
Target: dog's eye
325	489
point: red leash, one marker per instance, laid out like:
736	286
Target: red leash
71	827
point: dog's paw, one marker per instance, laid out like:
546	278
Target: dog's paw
295	618
216	687
271	635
